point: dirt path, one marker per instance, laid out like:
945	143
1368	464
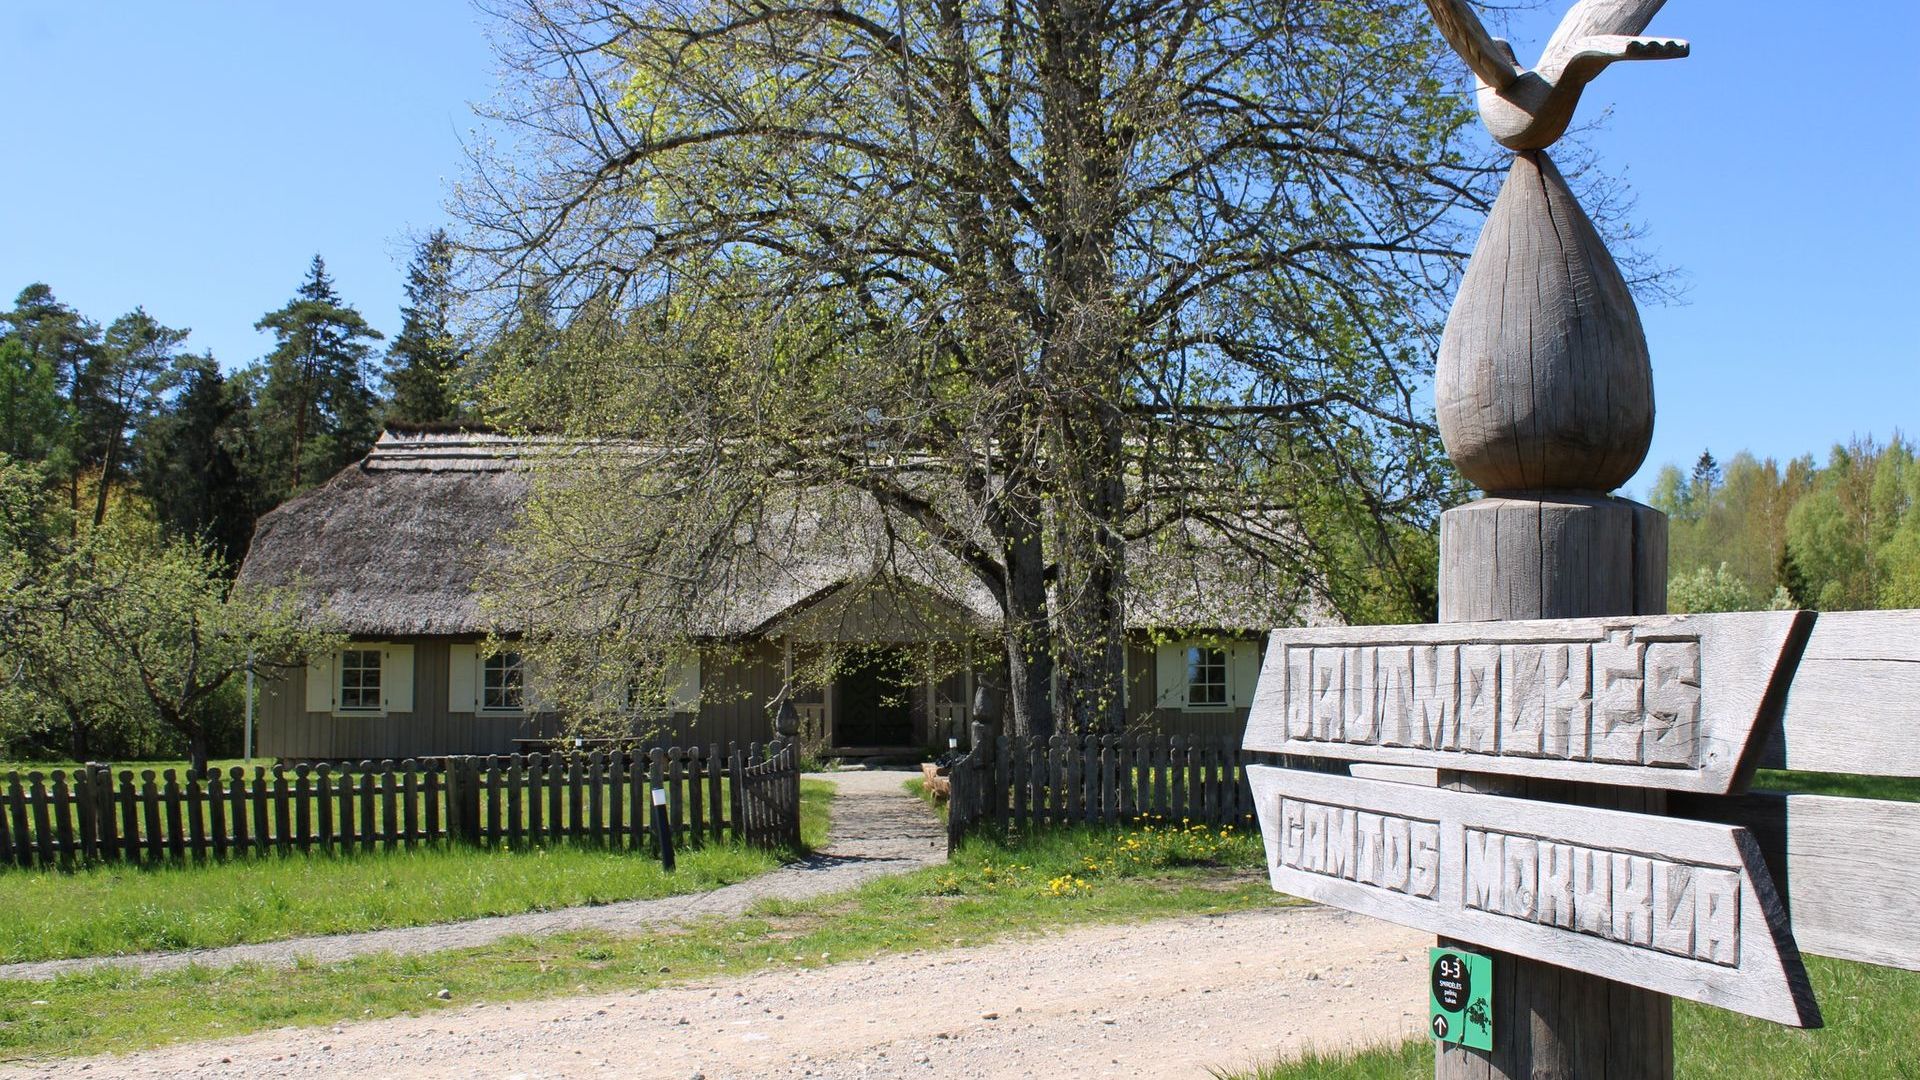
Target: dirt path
876	829
1164	999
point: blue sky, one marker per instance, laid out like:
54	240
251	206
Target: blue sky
193	157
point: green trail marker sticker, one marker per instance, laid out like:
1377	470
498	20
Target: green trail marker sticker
1461	998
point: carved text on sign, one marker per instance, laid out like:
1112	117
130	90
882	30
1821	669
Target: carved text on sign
1678	906
1645	901
1384	850
1617	699
1660	701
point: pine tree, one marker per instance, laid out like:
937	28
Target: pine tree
1703	482
317	412
62	342
33	416
426	356
192	461
120	390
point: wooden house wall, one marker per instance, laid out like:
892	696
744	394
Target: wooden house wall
1144	717
288	730
737	686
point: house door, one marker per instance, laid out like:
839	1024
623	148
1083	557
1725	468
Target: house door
873	702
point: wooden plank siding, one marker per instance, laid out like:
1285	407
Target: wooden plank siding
733	709
737	686
288	731
1144	718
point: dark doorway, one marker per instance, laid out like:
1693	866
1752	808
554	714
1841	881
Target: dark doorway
873	701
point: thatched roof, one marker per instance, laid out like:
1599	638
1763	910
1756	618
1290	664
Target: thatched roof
395	544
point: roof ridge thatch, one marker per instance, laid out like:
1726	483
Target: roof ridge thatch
442	427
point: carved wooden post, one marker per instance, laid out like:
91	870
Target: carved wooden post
1545	402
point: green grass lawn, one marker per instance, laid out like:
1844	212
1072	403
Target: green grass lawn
115	909
1872	1033
990	890
1896	788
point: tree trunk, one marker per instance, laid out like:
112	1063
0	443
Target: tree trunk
197	751
107	465
79	734
1028	638
1092	580
196	737
1079	361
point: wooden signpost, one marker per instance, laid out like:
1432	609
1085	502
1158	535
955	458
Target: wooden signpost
1683	907
1553	778
1660	701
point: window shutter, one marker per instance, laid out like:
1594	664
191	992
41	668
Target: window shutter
396	678
320	684
1170	676
463	678
686	683
1243	673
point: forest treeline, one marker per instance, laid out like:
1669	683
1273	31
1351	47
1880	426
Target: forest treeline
1838	536
127	414
132	471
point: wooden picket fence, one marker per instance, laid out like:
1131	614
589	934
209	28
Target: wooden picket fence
768	808
95	814
1099	779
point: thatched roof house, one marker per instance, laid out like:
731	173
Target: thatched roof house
391	549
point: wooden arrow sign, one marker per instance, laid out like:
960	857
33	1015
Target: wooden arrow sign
1681	907
1667	702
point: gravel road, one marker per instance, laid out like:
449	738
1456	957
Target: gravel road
876	828
1164	999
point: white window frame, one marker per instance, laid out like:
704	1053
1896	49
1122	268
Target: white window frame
341	671
512	670
1208	660
1173	674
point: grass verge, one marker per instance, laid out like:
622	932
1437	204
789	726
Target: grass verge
990	890
1895	788
1871	1015
114	909
917	787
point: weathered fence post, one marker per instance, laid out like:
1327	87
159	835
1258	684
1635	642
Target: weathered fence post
988	753
463	800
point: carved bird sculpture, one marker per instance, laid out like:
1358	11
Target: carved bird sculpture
1530	109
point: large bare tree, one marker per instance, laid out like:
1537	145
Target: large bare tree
1041	280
